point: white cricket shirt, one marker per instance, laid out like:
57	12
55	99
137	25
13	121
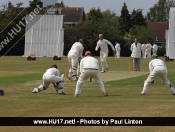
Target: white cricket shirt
89	62
52	71
156	62
103	44
136	50
77	49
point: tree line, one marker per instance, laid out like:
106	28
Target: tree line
122	29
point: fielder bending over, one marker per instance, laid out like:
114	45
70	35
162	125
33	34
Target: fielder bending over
103	44
74	54
157	68
89	68
52	76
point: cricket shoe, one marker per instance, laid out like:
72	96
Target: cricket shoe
62	93
103	71
142	93
107	69
76	95
35	90
173	92
105	94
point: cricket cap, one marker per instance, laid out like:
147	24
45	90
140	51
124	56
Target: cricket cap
88	53
81	41
154	56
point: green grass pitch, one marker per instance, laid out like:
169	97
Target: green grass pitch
18	77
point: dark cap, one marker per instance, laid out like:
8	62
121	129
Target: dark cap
81	41
54	66
115	42
154	56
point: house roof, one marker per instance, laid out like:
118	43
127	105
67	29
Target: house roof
73	14
158	29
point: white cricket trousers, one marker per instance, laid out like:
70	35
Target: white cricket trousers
103	57
158	71
143	53
117	53
147	53
51	79
155	52
73	59
85	74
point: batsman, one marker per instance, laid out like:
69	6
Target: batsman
74	54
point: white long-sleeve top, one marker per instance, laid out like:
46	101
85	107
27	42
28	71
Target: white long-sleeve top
77	49
117	47
148	46
89	62
155	47
52	71
156	62
143	46
103	44
136	50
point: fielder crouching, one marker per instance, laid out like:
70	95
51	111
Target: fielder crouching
89	68
157	67
52	76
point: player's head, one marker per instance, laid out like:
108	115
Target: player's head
135	40
53	66
88	53
81	41
154	56
100	36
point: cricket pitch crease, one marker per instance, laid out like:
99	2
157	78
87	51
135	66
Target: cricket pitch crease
118	75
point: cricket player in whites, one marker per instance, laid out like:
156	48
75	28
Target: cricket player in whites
52	76
103	44
157	68
154	49
148	50
74	54
89	69
118	49
143	49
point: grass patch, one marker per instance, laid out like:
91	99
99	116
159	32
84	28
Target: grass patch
18	77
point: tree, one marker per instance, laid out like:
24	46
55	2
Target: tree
137	18
125	19
89	30
61	4
94	14
142	33
33	4
160	11
12	29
